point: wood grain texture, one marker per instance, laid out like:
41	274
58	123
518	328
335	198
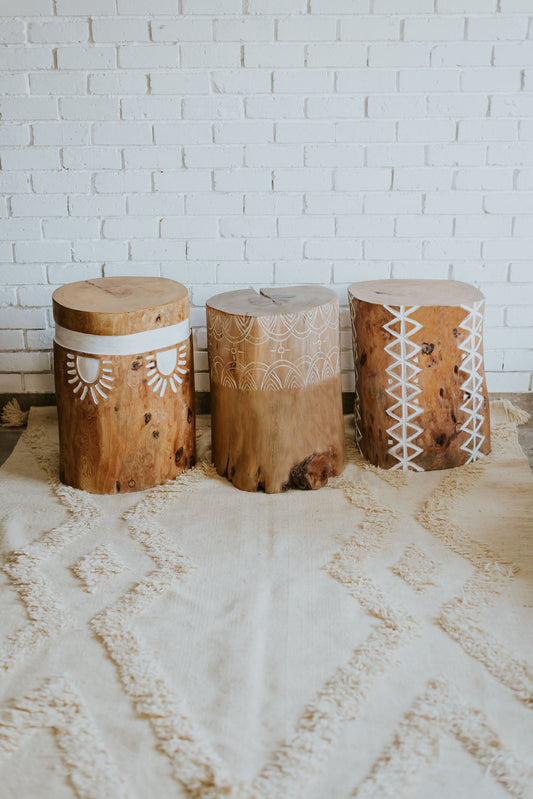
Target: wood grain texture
437	353
276	400
116	306
126	422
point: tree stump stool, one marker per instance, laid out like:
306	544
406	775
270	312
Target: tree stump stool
420	395
124	383
276	402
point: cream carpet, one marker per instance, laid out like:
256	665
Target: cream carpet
371	639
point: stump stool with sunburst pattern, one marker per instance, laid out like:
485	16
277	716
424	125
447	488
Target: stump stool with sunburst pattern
420	395
276	403
124	383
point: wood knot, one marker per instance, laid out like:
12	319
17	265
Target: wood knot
147	417
131	483
189	416
136	365
155	433
313	472
178	456
427	348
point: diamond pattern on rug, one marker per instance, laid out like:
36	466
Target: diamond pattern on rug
416	568
96	567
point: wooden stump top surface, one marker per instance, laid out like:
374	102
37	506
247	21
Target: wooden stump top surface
271	301
416	292
120	305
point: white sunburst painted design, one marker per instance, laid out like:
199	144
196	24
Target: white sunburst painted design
165	368
403	387
472	387
89	377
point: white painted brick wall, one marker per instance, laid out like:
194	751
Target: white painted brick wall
233	143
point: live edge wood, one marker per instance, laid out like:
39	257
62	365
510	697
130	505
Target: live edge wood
134	438
434	365
276	403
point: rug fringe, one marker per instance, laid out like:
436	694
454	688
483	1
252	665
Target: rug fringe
504	410
13	415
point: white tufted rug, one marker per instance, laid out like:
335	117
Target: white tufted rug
371	639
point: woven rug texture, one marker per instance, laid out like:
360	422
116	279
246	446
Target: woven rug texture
371	639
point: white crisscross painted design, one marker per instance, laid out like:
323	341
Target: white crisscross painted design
357	399
472	387
403	387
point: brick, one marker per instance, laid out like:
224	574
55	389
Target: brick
370	28
491	79
394	106
334	155
30	158
130	181
498	28
396	155
334	203
183	180
349	272
247	179
91	158
273	249
39	383
478	130
398	55
524	179
460	105
246	132
383	249
40	339
513	105
19	8
275	204
84	7
426	226
100	251
340	6
203	227
516	153
509	203
212	108
336	55
516	54
148	56
58	31
426	130
336	249
57	84
219	54
16	83
27	108
302	179
61	182
277	6
461	55
274	107
89	108
122	133
484	226
95	57
215	7
36	205
13	134
453	202
37	252
14	340
272	155
307	29
451	249
33	296
307	81
364	227
484	179
20	361
25	318
336	107
68	273
213	155
429	80
466	6
19	228
434	28
156	204
247	227
97	205
511	249
393	203
140	268
456	154
154	157
274	55
419	270
259	273
216	249
147	7
151	108
305	131
244	29
365	130
61	133
302	272
363	179
131	227
181	30
365	81
71	228
242	81
179	83
306	226
26	57
120	29
12	31
202	203
118	83
182	133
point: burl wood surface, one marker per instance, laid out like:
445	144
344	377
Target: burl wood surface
440	360
117	306
276	403
132	438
